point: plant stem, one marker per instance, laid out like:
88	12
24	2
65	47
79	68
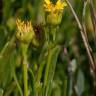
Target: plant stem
50	69
24	48
34	92
25	77
92	64
17	83
47	68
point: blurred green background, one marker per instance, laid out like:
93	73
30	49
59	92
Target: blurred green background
69	38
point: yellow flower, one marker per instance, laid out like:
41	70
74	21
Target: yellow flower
23	26
50	7
24	30
54	10
47	1
60	5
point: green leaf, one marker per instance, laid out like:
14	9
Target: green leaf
33	91
5	63
50	69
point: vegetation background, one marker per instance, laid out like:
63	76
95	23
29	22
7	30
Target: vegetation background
73	75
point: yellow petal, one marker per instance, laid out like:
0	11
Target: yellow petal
47	1
60	4
49	7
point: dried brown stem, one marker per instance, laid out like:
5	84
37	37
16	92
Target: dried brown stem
92	64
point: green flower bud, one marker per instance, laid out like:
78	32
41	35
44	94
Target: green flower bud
54	19
25	32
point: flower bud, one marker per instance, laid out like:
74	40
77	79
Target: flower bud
25	32
54	11
54	19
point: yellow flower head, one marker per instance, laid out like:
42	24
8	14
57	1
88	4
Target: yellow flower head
23	26
55	11
60	5
24	30
50	7
47	1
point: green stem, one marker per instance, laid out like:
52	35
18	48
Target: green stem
25	77
54	30
17	83
39	73
32	82
24	48
50	69
47	68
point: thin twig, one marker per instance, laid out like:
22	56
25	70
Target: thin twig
92	64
